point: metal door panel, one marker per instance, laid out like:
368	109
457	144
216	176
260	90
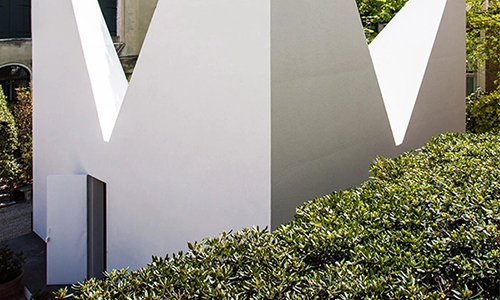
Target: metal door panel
96	247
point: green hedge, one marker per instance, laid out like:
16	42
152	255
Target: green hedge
424	227
9	169
483	112
22	111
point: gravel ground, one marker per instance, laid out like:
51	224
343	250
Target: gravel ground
15	220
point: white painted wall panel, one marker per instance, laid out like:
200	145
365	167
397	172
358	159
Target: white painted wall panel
66	229
194	129
191	143
67	135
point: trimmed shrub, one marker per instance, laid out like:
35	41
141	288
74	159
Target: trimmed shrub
424	227
8	144
483	112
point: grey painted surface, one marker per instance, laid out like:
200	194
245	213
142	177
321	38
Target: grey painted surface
328	117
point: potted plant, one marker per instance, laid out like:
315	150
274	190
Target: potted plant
11	273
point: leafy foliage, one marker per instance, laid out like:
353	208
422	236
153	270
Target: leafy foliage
22	110
483	34
424	227
483	112
375	12
8	144
9	263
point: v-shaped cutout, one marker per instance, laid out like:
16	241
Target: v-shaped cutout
400	55
108	81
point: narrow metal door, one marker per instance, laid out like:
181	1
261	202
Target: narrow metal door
96	227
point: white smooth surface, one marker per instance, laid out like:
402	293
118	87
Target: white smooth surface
400	54
66	229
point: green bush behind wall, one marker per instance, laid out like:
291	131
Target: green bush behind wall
483	112
9	169
22	111
424	227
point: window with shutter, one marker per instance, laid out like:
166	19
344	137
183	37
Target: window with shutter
15	18
4	19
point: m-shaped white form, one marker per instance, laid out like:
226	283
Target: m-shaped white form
400	55
237	112
109	84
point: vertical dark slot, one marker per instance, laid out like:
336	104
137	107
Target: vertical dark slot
96	227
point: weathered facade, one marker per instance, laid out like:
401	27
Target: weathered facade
15	51
133	20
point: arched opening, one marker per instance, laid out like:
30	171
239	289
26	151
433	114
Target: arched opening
16	132
12	77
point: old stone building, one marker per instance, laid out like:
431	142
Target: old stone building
127	20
